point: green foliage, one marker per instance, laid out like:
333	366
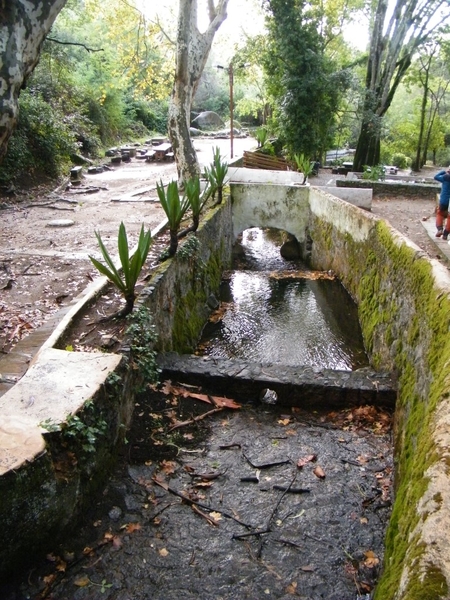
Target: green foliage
261	136
197	199
175	209
375	173
143	337
400	160
305	84
131	266
304	165
216	173
42	140
77	432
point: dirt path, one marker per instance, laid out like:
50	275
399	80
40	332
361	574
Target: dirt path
42	267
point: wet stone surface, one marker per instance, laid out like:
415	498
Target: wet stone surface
181	515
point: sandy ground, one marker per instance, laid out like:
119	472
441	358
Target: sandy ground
42	267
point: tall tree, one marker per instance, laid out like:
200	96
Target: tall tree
23	27
394	39
305	83
192	52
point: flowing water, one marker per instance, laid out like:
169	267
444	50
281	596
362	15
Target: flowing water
279	312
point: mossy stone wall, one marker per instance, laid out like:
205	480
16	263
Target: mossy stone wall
178	292
404	309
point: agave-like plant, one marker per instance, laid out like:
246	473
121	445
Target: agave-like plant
131	267
304	166
216	174
175	208
197	200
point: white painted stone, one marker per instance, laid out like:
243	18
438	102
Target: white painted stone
261	205
60	223
244	175
361	197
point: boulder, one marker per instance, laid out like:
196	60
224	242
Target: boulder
208	120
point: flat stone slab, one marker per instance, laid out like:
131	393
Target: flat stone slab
57	384
20	441
294	386
60	223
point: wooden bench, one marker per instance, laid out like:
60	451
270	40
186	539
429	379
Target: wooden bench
256	160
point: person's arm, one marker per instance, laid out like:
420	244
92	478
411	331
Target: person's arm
440	176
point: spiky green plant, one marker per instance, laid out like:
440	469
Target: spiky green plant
261	136
197	199
131	267
216	174
175	208
304	166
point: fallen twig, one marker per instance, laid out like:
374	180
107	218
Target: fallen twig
241	536
188	500
229	446
204	515
291	490
194	419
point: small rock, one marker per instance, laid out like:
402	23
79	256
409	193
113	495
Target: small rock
115	513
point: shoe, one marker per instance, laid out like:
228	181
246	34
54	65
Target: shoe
445	235
439	233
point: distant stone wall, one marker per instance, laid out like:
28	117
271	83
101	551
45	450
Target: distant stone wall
386	188
404	303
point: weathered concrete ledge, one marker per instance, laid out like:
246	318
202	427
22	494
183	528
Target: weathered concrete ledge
303	387
385	188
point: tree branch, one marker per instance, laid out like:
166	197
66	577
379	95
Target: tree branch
74	44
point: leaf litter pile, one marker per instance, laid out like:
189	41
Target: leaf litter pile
215	500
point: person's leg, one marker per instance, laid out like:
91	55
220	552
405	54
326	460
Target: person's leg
441	214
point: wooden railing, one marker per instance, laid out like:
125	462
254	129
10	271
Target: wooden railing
256	160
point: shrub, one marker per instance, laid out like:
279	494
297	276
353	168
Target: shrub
42	140
400	160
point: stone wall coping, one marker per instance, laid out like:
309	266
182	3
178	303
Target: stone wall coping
58	384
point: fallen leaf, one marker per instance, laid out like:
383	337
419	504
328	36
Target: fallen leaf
371	559
292	588
188	436
82	581
163	552
308	568
319	472
168	466
132	527
363	520
284	421
306	459
217	516
290	432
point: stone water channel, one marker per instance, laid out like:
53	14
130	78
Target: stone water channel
256	500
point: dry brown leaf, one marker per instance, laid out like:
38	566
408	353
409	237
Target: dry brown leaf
163	552
319	472
306	459
284	422
308	568
292	588
132	527
217	516
82	581
371	559
168	466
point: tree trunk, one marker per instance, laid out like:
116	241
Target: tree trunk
392	45
192	52
24	27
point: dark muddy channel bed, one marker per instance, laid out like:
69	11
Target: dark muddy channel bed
246	503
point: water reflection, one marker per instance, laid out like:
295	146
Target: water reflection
290	321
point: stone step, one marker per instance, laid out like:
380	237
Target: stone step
300	386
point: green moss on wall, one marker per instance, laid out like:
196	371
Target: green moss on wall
405	327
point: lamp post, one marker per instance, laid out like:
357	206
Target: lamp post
230	77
